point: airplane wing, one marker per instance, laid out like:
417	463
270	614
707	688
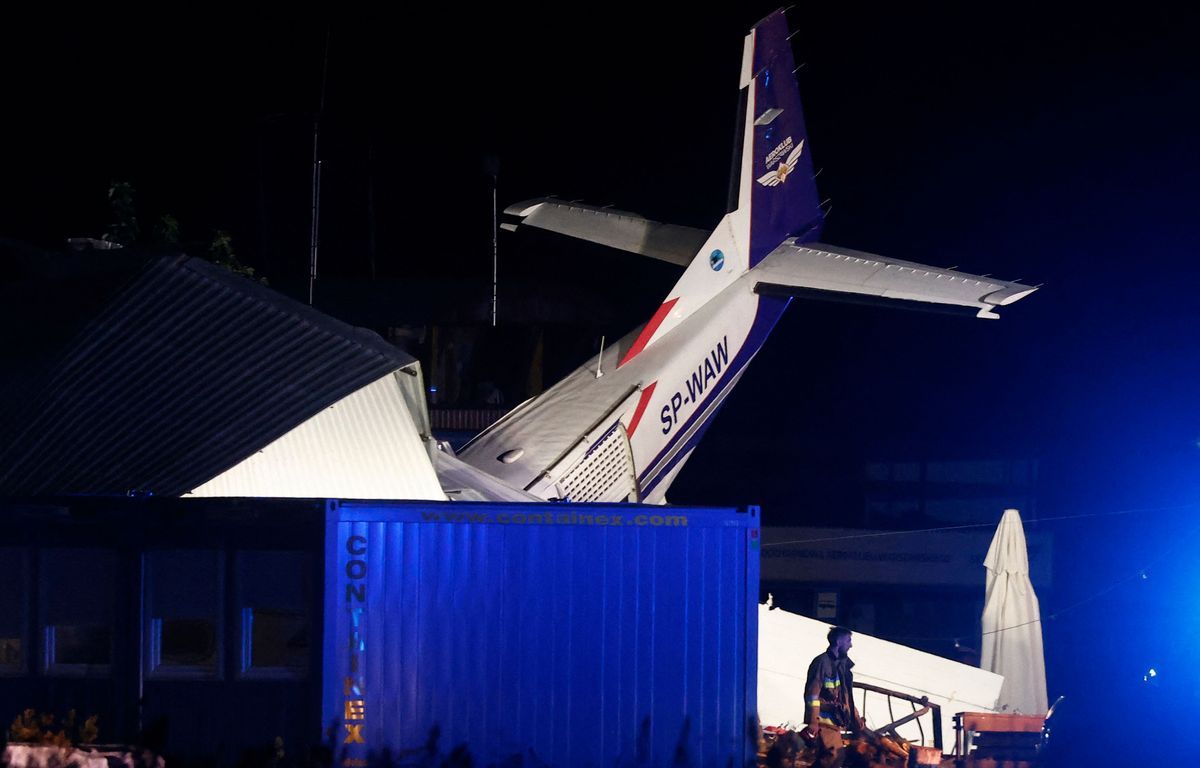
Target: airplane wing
819	271
463	482
617	229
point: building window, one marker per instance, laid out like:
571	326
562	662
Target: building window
273	594
80	644
11	660
278	638
183	608
77	596
14	607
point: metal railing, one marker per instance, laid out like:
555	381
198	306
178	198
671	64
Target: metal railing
915	715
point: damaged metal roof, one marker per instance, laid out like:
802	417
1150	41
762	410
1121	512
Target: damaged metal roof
185	373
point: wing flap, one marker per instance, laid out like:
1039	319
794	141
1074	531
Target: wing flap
815	270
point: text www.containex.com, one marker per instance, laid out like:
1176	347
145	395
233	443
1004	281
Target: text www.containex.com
555	518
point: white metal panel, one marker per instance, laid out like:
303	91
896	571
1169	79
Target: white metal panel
365	446
787	642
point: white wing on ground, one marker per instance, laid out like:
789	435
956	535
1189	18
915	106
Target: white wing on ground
787	642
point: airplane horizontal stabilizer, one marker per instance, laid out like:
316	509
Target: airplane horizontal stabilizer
819	271
616	229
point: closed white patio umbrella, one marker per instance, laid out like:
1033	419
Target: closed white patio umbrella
1012	627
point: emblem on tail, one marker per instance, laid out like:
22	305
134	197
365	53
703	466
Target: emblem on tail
786	166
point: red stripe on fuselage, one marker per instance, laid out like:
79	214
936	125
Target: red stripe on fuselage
641	408
648	332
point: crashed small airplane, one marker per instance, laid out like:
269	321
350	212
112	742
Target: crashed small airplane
622	426
298	404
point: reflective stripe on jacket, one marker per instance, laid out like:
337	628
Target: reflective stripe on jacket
828	691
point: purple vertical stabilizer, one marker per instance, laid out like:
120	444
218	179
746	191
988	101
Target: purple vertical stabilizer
783	200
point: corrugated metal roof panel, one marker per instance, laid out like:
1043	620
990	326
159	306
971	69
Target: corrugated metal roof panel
365	446
187	372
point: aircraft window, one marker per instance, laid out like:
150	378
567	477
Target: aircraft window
183	608
77	594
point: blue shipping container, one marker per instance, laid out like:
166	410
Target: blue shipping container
540	634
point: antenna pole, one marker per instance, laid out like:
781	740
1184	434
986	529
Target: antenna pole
495	253
492	167
316	177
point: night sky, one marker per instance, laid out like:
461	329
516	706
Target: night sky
1056	147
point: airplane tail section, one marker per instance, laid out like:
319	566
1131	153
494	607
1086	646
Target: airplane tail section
777	177
773	196
772	193
622	425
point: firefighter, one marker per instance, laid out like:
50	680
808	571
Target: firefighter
828	695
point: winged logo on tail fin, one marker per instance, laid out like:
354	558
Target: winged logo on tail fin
786	166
